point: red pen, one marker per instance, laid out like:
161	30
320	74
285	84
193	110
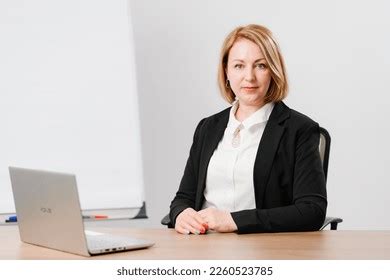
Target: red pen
95	217
101	217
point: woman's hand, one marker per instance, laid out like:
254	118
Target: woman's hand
190	221
218	220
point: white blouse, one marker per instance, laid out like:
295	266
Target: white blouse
229	181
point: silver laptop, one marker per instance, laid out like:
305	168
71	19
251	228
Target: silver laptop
49	215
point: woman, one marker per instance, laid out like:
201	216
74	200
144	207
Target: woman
254	167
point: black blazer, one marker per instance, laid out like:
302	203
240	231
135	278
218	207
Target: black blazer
288	178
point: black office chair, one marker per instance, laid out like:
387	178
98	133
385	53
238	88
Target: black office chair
324	148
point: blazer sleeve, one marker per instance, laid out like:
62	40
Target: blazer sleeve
308	208
185	196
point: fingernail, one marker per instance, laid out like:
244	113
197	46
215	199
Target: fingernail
187	232
202	230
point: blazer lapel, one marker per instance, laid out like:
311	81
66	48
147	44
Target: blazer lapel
213	136
267	148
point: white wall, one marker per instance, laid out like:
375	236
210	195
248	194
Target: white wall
338	64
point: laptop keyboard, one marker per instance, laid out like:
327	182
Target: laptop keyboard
107	241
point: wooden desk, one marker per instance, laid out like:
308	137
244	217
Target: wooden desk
171	245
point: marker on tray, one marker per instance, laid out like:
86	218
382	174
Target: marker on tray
11	219
95	217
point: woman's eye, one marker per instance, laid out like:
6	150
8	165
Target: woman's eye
261	66
238	66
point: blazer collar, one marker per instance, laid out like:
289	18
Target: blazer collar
280	112
265	153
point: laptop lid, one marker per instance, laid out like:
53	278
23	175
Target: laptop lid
48	210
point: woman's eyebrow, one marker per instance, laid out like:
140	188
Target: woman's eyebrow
257	60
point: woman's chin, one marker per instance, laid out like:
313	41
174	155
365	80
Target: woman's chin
251	99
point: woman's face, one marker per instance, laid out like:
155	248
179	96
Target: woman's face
248	73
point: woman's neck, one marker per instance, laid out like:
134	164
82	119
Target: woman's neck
245	111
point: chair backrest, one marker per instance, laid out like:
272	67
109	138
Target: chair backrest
324	148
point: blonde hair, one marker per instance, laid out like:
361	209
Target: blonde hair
262	37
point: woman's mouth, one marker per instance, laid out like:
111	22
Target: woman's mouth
249	88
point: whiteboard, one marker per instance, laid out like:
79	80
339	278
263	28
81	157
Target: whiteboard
68	98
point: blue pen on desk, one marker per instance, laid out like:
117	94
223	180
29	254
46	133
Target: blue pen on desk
11	219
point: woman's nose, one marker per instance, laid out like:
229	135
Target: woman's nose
249	74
